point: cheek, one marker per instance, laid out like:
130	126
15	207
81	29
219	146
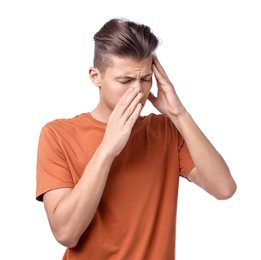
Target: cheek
146	89
118	91
112	93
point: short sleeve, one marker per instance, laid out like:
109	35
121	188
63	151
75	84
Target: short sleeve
186	163
52	168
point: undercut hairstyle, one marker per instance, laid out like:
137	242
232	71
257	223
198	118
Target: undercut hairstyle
125	39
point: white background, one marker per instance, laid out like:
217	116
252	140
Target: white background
211	52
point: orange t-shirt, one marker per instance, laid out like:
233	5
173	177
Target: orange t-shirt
136	217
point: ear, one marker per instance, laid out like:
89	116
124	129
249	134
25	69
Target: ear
95	76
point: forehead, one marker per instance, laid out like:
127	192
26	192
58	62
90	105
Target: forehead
129	67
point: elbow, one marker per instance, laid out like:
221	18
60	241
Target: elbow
66	239
69	243
227	192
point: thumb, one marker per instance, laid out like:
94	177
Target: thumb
152	98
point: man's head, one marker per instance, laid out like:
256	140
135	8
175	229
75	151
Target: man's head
124	39
122	59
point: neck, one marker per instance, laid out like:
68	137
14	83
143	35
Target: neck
101	114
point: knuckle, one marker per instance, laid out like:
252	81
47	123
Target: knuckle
129	110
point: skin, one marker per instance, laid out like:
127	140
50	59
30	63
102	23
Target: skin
124	88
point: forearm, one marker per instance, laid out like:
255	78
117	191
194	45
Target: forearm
202	151
213	174
71	211
211	171
75	211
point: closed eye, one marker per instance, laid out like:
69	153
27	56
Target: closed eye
125	81
148	79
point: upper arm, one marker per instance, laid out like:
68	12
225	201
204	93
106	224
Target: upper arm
221	187
52	198
53	171
193	175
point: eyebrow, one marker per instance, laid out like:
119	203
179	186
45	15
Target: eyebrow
129	77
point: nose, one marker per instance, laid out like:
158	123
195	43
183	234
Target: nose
143	90
137	85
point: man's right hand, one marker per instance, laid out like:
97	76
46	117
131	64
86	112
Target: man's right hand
121	121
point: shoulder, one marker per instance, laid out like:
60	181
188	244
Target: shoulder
160	124
71	122
157	120
61	126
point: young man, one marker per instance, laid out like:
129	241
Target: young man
109	178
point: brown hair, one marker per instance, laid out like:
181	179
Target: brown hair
123	38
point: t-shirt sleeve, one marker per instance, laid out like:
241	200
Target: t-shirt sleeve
52	168
186	163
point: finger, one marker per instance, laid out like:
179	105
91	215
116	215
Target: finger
158	76
156	72
158	65
134	116
132	107
125	101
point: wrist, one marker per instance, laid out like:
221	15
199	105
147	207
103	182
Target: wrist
106	153
178	113
179	118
